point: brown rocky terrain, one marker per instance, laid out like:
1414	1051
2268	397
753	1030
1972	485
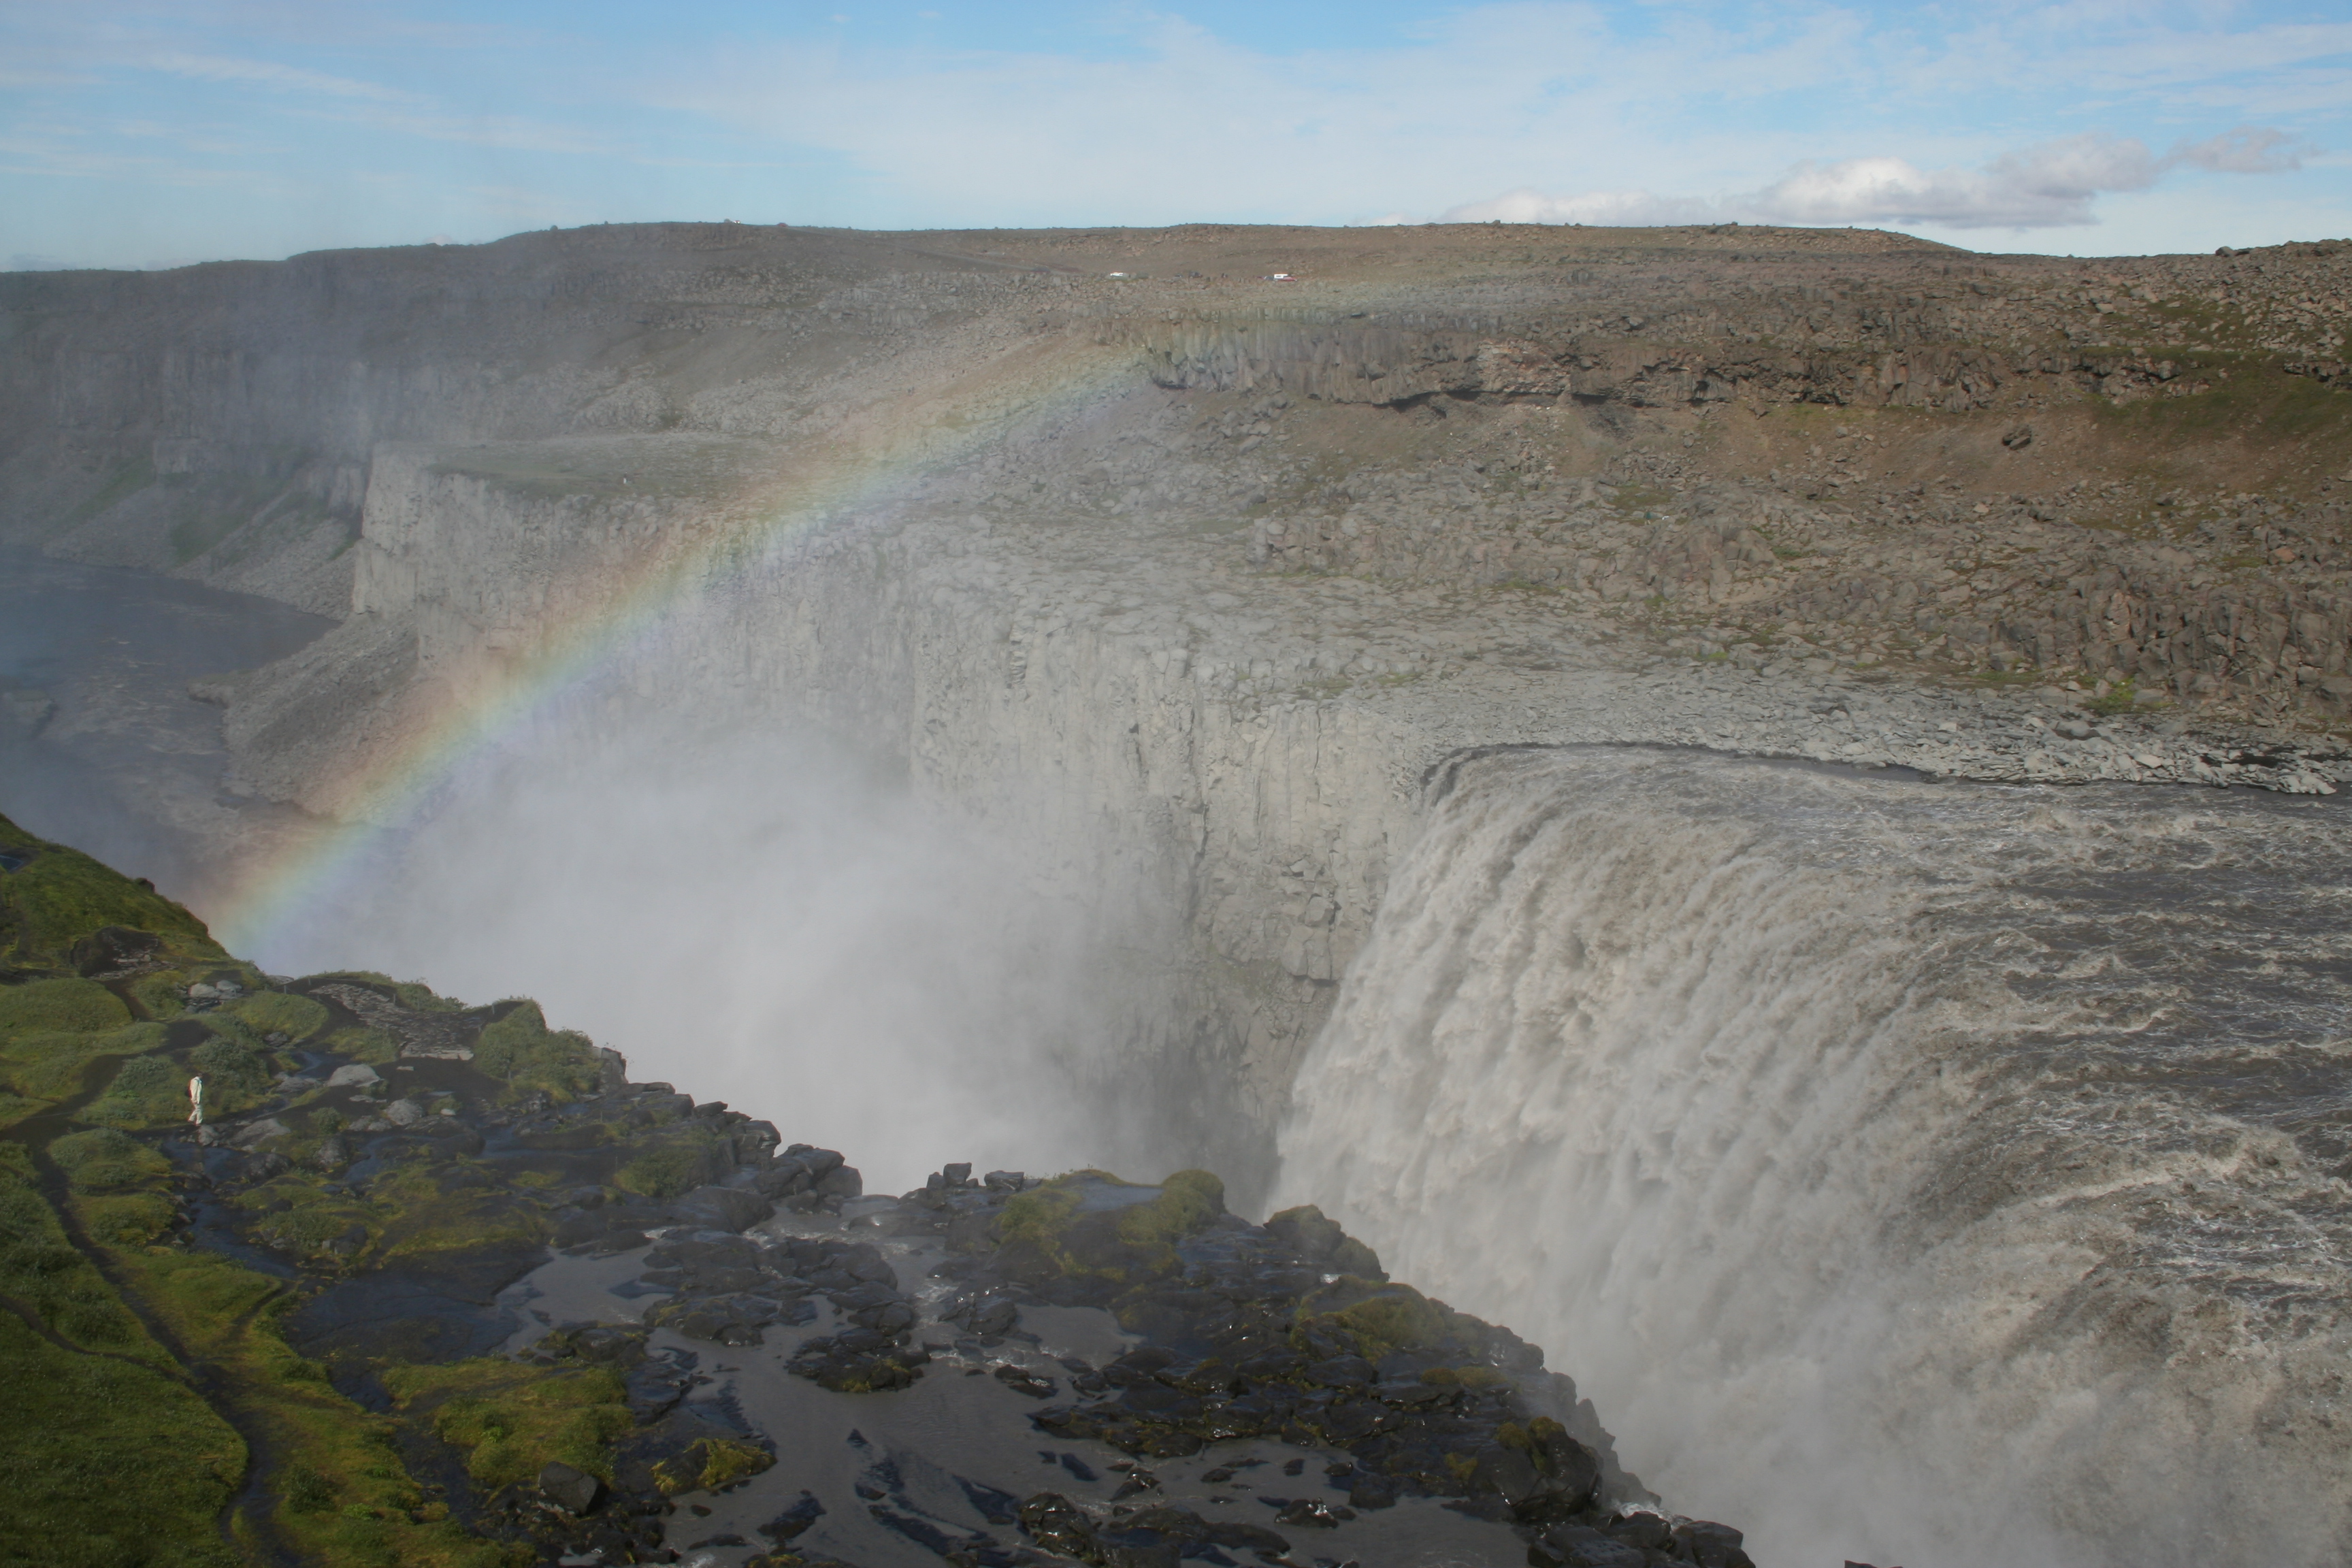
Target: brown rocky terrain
2124	473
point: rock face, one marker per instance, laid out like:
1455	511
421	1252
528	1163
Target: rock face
466	1393
1189	583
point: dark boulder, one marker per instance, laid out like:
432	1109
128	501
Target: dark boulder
574	1491
722	1208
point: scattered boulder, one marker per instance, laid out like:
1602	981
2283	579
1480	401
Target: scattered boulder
574	1491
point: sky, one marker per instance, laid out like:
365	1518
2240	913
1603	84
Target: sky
158	132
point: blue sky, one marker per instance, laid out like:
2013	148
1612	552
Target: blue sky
159	131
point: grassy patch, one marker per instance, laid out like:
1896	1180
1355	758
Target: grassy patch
510	1418
222	1313
521	1048
40	1270
146	1091
279	1012
364	1045
62	895
679	1162
104	1158
109	1465
50	1066
59	1004
2257	403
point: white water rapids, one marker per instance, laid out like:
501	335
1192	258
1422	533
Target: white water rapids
1924	1173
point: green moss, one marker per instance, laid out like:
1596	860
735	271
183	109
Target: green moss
52	1066
109	1465
104	1158
682	1160
61	896
1188	1202
364	1045
146	1091
54	1004
1038	1217
1048	1229
419	998
511	1418
235	1071
710	1464
1378	1321
521	1048
419	1209
279	1012
128	1220
160	994
39	1268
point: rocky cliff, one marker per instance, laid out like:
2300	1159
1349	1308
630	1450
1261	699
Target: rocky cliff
1187	575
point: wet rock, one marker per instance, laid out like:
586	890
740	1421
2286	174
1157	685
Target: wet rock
578	1230
261	1131
1580	1546
333	1155
406	1112
1058	1525
858	1360
796	1521
1508	1474
574	1491
357	1075
1711	1545
722	1208
111	948
1341	1371
1306	1231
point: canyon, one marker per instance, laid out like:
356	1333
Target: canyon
1208	574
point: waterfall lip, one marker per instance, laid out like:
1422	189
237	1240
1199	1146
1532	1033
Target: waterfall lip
1440	775
1908	1128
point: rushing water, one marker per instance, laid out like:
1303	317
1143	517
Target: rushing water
1911	1172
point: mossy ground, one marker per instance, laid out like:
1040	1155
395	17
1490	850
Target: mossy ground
121	1454
510	1419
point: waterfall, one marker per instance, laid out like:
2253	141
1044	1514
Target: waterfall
1911	1172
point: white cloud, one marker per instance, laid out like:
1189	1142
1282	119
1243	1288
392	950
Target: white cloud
1620	207
2245	150
2053	184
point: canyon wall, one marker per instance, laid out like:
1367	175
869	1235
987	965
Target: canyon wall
1183	575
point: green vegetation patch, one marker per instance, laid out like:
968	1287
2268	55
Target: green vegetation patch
676	1162
710	1464
59	1004
279	1012
40	1271
103	1158
110	1464
521	1048
1051	1229
510	1418
145	1091
62	895
1378	1321
452	1207
52	1066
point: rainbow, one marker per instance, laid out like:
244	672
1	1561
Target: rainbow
439	728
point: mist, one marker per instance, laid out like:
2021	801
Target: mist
763	917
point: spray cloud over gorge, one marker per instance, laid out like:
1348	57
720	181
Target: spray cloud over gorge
761	915
1648	774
